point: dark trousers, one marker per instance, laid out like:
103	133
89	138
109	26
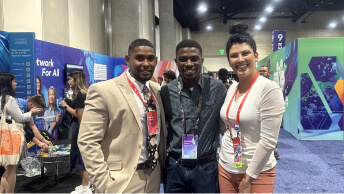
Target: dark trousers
201	178
75	158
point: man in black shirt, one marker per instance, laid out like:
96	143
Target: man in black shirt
192	106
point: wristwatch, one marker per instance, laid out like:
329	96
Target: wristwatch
66	106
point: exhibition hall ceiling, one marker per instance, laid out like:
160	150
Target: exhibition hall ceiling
187	14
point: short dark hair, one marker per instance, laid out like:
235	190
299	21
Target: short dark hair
264	66
170	74
37	100
238	34
188	43
223	72
139	42
160	78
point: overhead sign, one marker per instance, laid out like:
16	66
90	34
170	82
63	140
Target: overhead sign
278	39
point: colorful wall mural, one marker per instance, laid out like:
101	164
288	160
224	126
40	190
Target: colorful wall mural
310	74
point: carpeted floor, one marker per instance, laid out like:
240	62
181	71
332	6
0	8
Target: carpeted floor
304	167
67	181
309	166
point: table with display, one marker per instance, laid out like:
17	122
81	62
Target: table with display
53	158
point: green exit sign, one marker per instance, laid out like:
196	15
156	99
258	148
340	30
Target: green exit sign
222	51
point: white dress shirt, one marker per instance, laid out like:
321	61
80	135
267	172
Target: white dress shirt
139	86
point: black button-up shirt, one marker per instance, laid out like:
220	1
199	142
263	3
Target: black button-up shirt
213	97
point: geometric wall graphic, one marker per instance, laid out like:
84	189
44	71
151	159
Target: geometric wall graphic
326	72
291	70
339	87
340	123
314	115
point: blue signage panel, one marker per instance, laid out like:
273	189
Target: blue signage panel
278	39
22	66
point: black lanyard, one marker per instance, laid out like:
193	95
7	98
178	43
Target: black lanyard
199	106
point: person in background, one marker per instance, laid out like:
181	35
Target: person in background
51	116
39	86
7	91
252	114
77	82
223	76
265	72
164	82
26	105
192	106
169	76
123	152
160	80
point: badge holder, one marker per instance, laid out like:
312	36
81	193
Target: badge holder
237	147
189	146
153	122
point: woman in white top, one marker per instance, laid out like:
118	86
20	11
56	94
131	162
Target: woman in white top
252	113
7	88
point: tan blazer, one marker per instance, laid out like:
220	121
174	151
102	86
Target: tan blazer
110	135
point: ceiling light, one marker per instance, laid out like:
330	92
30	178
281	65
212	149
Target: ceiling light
209	27
262	19
332	25
202	8
269	9
258	27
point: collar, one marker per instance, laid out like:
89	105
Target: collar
138	85
198	83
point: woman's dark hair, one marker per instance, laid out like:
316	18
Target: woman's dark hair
6	88
238	34
40	85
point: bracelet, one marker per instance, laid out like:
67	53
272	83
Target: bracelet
42	139
66	106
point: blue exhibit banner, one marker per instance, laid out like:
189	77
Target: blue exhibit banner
21	62
4	52
53	63
278	39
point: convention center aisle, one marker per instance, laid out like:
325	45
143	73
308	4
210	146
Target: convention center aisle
309	166
304	167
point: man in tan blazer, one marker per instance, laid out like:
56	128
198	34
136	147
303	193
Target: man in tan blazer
114	133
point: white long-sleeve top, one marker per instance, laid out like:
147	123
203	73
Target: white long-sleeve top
260	121
13	111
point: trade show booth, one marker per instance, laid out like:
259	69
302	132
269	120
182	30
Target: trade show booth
310	74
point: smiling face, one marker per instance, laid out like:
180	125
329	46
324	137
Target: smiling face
51	96
189	62
142	62
71	82
243	60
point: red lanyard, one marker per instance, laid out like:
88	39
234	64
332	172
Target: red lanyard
137	92
242	102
